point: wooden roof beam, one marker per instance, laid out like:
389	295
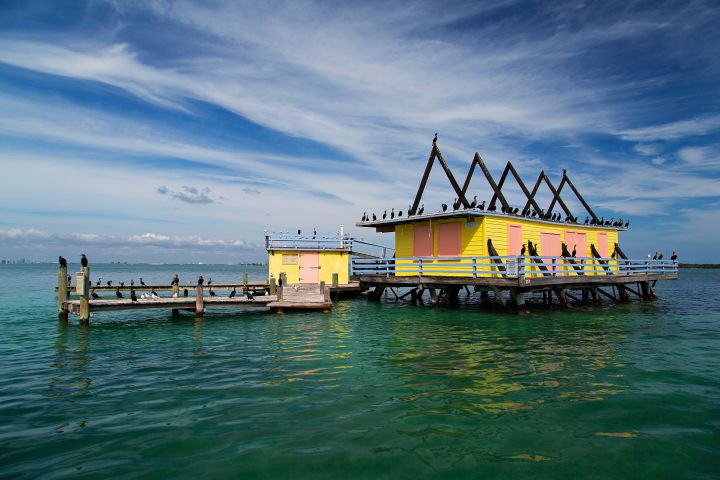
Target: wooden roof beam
435	153
531	197
557	198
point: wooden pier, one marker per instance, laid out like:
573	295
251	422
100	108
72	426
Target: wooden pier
196	300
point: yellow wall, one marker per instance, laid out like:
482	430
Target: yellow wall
474	238
329	262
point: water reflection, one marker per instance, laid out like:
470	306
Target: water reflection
71	361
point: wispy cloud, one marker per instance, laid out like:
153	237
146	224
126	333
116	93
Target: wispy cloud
189	194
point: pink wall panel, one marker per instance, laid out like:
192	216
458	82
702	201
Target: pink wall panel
422	242
602	246
515	241
449	240
550	245
309	263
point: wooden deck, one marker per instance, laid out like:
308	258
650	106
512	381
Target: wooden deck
291	297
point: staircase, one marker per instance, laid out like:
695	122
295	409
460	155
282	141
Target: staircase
303	295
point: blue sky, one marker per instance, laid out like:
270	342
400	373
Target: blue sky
179	131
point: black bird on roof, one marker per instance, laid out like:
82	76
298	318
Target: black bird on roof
627	224
455	204
444	207
492	207
118	294
249	295
655	256
384	214
132	282
83	260
482	205
62	261
299	231
392	213
133	297
587	219
364	217
94	295
410	212
473	204
515	211
422	209
399	213
374	217
673	257
435	139
141	282
534	214
233	293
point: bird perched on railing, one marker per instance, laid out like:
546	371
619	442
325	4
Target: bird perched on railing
98	283
118	294
673	257
94	295
133	297
62	261
364	217
212	294
83	260
522	251
185	292
233	293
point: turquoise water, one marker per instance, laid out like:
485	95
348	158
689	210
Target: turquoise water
367	391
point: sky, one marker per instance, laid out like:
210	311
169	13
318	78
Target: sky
178	131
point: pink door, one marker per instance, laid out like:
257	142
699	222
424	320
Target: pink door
576	241
602	244
550	246
515	242
422	242
309	267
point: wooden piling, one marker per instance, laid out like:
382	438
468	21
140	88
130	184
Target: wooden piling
199	305
84	296
518	300
273	286
499	296
335	280
62	293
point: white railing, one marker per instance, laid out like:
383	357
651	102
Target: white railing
308	242
499	267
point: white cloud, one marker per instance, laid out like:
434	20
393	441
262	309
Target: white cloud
673	130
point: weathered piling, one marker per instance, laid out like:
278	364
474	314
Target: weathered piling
199	304
62	293
82	285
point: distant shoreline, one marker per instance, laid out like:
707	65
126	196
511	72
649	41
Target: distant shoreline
699	265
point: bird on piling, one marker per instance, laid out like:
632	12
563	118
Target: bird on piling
141	282
118	294
392	213
83	260
233	293
444	207
435	139
201	280
473	204
133	297
62	261
422	209
94	295
374	219
384	215
673	257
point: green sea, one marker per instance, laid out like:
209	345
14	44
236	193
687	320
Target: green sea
370	390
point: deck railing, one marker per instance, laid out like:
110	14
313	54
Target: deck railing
308	242
508	266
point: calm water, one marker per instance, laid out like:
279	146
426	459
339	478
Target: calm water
367	391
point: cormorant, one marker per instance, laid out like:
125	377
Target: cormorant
175	280
435	139
233	293
141	282
482	205
574	251
364	218
154	294
515	211
473	204
392	213
122	284
410	212
422	209
534	214
444	207
94	295
673	257
63	262
374	219
201	280
660	257
627	224
249	295
399	213
109	283
522	251
185	292
97	284
117	293
492	207
209	281
587	220
384	214
132	282
133	297
83	260
455	204
655	256
314	233
212	294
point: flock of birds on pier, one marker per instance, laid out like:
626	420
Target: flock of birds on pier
153	292
527	212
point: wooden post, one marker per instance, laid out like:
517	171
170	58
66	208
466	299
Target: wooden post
499	296
273	286
283	278
199	305
335	280
594	294
245	279
560	294
585	296
433	297
84	296
62	293
518	300
623	294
